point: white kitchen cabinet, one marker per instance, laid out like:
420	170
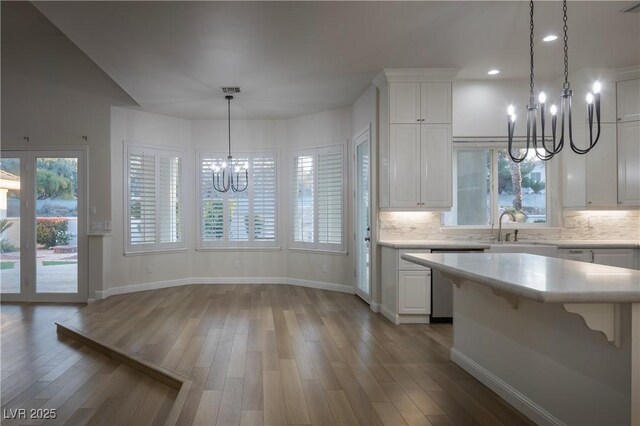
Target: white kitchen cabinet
406	288
404	103
629	163
404	165
420	165
580	255
420	103
622	258
435	160
414	141
601	168
414	292
435	103
628	100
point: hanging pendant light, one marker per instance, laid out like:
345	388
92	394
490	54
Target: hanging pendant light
227	176
546	153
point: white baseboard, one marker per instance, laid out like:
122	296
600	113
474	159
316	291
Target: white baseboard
389	315
222	280
514	397
374	306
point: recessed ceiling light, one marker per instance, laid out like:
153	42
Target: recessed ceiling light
493	72
550	37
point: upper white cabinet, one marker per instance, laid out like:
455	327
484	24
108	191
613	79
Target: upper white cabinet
419	103
435	158
601	163
628	99
629	163
609	175
404	103
415	138
404	161
435	103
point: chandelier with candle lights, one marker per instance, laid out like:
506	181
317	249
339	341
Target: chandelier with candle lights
543	151
226	176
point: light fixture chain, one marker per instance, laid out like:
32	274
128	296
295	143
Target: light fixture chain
531	95
565	28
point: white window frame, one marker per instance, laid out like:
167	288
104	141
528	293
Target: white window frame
225	244
494	147
157	246
315	245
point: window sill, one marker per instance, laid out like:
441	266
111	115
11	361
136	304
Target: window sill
160	251
319	251
205	249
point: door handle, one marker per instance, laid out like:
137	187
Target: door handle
367	239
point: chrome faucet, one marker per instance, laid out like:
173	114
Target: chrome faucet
511	216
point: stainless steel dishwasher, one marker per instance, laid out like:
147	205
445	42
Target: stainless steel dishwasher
442	290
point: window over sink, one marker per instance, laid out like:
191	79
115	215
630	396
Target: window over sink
487	183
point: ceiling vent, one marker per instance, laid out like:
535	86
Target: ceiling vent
230	90
631	8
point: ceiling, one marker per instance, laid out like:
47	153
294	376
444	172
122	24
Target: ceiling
294	58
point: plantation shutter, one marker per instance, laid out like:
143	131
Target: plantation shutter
240	219
170	207
264	198
155	199
330	196
142	198
211	203
304	199
318	199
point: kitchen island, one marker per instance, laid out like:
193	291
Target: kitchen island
558	339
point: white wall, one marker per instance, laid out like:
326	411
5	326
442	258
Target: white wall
480	106
281	136
54	94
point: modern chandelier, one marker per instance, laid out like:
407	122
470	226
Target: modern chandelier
224	178
546	153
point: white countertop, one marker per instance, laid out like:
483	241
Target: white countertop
543	279
453	244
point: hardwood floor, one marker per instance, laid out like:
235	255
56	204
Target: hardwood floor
40	370
278	354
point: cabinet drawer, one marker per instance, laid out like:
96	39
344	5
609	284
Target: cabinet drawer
405	265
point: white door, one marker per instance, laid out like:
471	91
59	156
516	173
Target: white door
602	164
44	248
363	215
404	165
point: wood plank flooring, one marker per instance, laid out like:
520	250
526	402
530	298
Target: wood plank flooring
40	370
278	354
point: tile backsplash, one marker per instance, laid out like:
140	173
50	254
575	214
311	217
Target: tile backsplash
577	225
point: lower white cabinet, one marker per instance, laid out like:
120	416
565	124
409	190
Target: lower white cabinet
406	288
414	292
622	258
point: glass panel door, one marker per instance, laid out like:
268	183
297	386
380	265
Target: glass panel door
363	215
43	226
11	165
56	204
